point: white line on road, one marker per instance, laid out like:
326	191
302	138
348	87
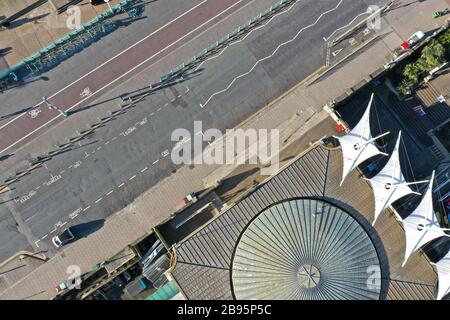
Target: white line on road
98	200
159	109
156	161
44	237
269	56
132	177
36	243
359	15
86	208
63	224
144	169
121	185
121	76
113	138
53	230
74	216
107	142
95	69
151	114
110	192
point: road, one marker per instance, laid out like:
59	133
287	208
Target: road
131	154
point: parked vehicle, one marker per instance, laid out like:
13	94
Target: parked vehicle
416	37
63	238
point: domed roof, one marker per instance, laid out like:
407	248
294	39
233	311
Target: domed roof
305	249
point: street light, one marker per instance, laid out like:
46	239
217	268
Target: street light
53	107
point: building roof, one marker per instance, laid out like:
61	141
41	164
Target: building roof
358	145
389	185
305	249
204	260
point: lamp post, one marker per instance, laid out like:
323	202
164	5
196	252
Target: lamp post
53	107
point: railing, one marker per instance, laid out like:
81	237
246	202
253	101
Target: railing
224	41
64	47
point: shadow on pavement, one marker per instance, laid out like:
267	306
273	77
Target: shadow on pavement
83	230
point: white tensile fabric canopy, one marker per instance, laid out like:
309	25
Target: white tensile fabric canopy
358	145
389	184
443	269
421	225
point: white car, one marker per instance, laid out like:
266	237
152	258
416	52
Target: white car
416	37
65	237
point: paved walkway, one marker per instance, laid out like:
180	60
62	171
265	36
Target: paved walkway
160	201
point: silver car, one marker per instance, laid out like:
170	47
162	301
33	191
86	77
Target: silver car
63	238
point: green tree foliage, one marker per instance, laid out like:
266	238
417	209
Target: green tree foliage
433	55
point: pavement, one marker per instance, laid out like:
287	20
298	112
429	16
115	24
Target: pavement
147	210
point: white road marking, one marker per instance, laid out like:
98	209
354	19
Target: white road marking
243	39
156	161
144	169
113	138
121	185
62	224
44	237
270	56
36	243
110	192
107	142
159	109
53	230
99	148
151	114
86	208
121	76
95	69
74	216
98	200
132	177
359	15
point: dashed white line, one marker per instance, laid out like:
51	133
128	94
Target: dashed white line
44	237
166	104
74	216
99	148
121	185
110	192
53	230
62	171
63	224
113	138
132	177
269	56
156	161
151	114
38	187
159	109
86	208
144	169
98	200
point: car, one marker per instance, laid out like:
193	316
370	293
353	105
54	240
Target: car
63	238
416	37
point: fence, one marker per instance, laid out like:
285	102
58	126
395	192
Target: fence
226	40
64	47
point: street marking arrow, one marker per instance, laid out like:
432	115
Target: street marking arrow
335	53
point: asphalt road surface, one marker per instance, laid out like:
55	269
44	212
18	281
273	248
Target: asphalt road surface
132	153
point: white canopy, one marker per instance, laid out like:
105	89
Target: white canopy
389	184
443	269
358	145
421	225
